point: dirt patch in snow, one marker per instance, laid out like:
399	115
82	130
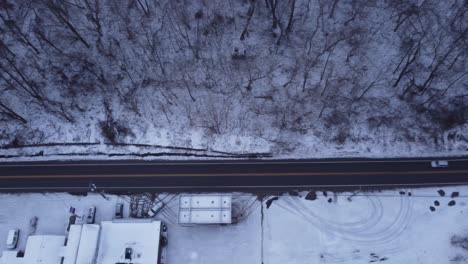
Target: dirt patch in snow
269	202
311	196
459	241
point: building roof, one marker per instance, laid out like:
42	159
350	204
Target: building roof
205	216
139	238
205	201
10	257
142	237
39	250
43	249
88	244
70	251
205	209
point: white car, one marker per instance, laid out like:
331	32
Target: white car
439	163
158	206
12	239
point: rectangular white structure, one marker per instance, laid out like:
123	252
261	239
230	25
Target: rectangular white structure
205	201
39	249
205	216
70	251
140	238
10	257
44	249
205	209
88	244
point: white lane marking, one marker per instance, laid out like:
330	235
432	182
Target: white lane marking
231	163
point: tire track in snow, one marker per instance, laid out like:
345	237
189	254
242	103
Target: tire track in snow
374	215
361	232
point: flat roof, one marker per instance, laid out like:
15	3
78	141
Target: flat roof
205	209
10	257
205	201
43	249
141	236
70	251
205	216
88	244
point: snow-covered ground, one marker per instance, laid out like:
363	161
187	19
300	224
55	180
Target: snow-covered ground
319	79
393	226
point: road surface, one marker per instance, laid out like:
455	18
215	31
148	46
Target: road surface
122	176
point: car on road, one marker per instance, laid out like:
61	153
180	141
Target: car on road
12	238
439	163
118	211
91	215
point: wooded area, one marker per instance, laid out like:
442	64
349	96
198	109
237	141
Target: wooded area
362	76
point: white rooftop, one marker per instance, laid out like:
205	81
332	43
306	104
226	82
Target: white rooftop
43	249
205	201
10	257
142	237
205	209
88	244
205	216
39	250
70	251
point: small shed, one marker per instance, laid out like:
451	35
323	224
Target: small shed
205	209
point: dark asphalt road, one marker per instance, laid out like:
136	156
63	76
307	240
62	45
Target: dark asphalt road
117	176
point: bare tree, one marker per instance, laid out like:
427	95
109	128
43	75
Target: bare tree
144	6
58	9
19	77
407	60
5	110
249	18
94	15
13	27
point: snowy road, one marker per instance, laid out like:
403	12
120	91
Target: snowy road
115	176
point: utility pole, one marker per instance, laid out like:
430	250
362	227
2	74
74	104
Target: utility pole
94	188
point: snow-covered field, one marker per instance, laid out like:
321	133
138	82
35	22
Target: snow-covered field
393	226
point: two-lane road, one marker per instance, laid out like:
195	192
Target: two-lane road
226	174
